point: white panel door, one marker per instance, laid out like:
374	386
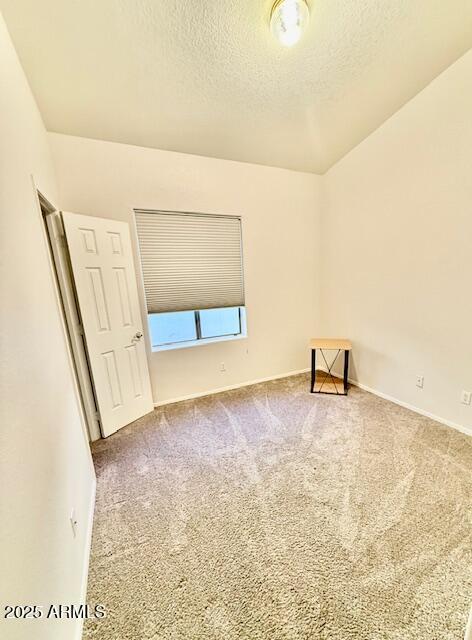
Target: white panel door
105	281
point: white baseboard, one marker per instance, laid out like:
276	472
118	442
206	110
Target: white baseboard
427	414
230	387
87	550
406	405
468	630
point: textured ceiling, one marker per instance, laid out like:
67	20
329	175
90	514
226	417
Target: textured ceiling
206	76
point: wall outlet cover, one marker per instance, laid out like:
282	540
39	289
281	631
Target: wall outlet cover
466	397
73	522
420	381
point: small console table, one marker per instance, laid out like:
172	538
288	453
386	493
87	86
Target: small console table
327	382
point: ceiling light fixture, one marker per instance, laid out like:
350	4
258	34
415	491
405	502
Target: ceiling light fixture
288	19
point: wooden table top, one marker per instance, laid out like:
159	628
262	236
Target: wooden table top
331	343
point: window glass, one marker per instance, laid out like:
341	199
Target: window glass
167	328
219	322
192	326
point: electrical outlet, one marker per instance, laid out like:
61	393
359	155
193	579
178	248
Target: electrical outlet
420	381
222	367
73	523
466	397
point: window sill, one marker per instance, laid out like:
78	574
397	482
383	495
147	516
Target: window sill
197	343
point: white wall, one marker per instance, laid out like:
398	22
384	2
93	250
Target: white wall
397	249
280	234
45	462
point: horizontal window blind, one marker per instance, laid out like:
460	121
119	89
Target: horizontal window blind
190	261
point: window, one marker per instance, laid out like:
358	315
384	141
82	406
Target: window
193	276
192	326
169	328
220	322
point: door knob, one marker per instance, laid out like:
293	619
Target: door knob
137	336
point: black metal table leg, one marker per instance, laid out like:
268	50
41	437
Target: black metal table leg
313	370
346	369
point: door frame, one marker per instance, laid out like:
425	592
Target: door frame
67	301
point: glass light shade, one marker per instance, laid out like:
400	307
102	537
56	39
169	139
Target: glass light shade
288	20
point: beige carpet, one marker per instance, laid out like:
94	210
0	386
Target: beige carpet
269	513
